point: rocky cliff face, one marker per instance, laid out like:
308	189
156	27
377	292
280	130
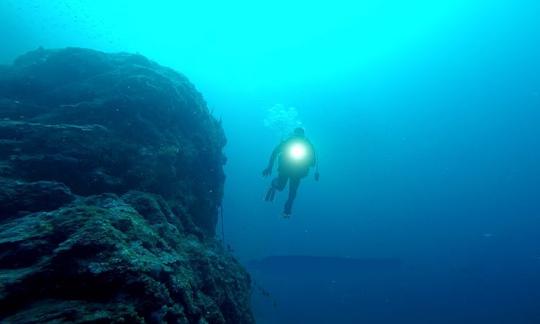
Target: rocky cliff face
110	179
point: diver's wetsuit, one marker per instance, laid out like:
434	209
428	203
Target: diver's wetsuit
290	171
279	184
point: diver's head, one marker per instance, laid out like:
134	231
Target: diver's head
299	132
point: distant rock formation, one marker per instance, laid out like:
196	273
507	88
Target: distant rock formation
110	180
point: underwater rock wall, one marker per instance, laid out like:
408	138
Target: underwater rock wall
110	181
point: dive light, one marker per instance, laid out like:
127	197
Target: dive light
297	151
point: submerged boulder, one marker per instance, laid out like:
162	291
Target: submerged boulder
110	179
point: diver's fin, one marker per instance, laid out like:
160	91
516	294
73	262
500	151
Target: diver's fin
270	194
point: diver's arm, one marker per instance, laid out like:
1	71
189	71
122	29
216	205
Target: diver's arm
316	164
275	153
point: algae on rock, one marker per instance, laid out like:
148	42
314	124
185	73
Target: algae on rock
110	179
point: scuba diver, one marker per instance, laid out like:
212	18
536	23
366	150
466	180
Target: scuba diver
295	156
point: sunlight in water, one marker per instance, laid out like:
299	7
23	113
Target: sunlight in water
246	42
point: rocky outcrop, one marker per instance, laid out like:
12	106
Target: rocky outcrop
110	179
101	122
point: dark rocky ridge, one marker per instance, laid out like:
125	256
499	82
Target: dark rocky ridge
111	123
110	179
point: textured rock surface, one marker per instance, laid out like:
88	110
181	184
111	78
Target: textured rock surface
110	179
111	123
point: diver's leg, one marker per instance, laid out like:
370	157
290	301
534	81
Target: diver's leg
270	194
293	188
277	184
280	182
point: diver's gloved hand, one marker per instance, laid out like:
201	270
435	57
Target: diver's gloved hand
316	176
266	172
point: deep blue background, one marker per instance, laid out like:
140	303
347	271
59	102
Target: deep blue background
426	117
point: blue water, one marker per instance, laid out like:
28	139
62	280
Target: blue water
425	116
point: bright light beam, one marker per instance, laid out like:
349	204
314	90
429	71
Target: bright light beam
297	151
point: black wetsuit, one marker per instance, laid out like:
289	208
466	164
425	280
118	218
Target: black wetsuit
290	170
